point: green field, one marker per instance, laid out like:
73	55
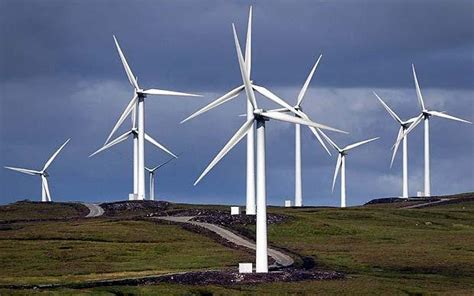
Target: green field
383	250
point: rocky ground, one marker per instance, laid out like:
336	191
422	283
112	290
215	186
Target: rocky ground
227	220
142	207
233	277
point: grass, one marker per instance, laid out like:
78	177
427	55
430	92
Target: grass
28	210
384	251
65	252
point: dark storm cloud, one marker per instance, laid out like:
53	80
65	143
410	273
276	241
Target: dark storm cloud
60	77
364	42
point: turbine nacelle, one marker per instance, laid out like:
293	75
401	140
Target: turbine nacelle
141	93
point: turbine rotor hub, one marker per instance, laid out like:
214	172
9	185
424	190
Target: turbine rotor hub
140	93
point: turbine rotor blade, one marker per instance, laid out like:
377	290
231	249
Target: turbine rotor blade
117	140
154	142
239	135
395	146
24	171
248	45
418	90
279	110
162	92
336	171
271	96
331	142
131	106
50	160
293	119
390	111
412	126
244	71
315	132
161	165
306	84
447	116
130	75
352	146
134	117
221	100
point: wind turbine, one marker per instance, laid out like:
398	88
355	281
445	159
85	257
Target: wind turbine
45	194
250	181
404	125
341	164
134	133
250	192
139	100
298	107
152	172
259	116
425	116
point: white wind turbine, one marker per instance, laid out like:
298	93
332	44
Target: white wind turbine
134	133
139	100
259	116
250	181
341	164
45	194
298	107
152	172
425	116
404	125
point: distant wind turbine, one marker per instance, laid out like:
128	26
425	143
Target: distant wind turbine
404	125
259	117
45	193
139	100
134	133
152	172
298	107
341	164
425	116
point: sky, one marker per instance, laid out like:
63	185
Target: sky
61	77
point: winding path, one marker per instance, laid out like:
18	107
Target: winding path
427	204
94	210
281	259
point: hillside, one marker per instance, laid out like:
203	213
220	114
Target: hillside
380	250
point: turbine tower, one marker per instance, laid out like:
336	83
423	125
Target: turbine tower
45	193
151	173
250	179
404	125
259	116
134	133
341	164
139	100
425	116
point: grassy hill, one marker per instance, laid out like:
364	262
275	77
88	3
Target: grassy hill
383	251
